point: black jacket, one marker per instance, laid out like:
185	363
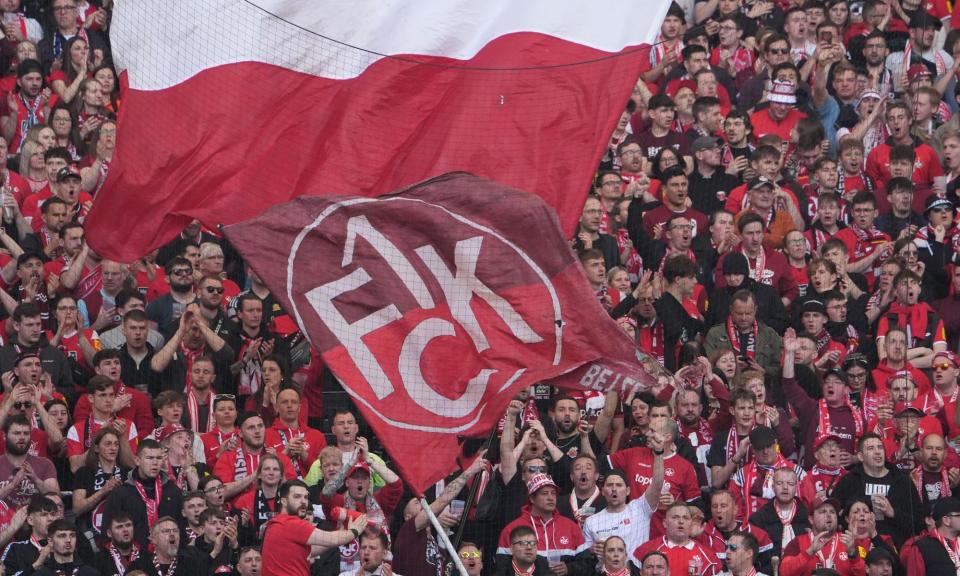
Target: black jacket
186	566
18	557
199	552
908	519
770	308
53	568
504	567
127	499
768	520
51	358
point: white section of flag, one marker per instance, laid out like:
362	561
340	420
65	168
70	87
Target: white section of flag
162	43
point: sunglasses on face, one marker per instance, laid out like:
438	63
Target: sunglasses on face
467	555
537	469
942	366
181	272
732	547
22	405
213	290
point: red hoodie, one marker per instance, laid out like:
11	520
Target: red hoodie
557	536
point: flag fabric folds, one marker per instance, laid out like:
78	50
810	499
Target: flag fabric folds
232	106
435	305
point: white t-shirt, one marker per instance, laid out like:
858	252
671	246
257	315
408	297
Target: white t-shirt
632	524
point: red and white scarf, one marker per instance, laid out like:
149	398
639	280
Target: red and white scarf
152	504
634	261
660	50
952	548
756	272
193	410
823	420
867	241
752	473
733	442
586	504
940	63
241	468
189	357
117	557
752	339
650	339
917	476
285	438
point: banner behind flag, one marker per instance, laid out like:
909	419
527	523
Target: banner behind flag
434	306
232	106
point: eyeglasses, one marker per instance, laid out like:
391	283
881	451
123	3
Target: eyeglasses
778	51
22	405
681	227
732	547
467	555
525	543
212	290
940	210
537	469
942	366
181	272
218	488
611	183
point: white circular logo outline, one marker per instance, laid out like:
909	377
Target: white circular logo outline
331	209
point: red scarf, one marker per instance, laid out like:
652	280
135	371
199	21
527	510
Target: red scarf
752	337
912	320
193	410
867	240
190	356
152	504
733	442
756	272
518	572
753	496
651	340
823	422
952	548
117	557
621	572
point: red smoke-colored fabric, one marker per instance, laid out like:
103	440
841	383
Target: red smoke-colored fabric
436	305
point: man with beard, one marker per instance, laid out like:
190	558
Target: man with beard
29	337
25	556
46	242
709	184
22	474
28	107
147	494
167	559
723	523
922	324
585	497
192	339
697	429
165	311
210	296
932	478
120	551
736	276
62	538
757	345
289	536
935	551
927	166
237	468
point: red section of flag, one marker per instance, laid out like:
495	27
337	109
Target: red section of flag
235	139
434	306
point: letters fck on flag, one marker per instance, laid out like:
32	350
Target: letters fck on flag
434	306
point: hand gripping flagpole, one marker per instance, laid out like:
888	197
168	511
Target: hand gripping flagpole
442	536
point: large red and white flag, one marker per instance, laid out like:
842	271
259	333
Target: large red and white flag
436	305
232	106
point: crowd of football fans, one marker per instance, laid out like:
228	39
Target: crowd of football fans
774	222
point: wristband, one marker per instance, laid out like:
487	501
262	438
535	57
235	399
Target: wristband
356	533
